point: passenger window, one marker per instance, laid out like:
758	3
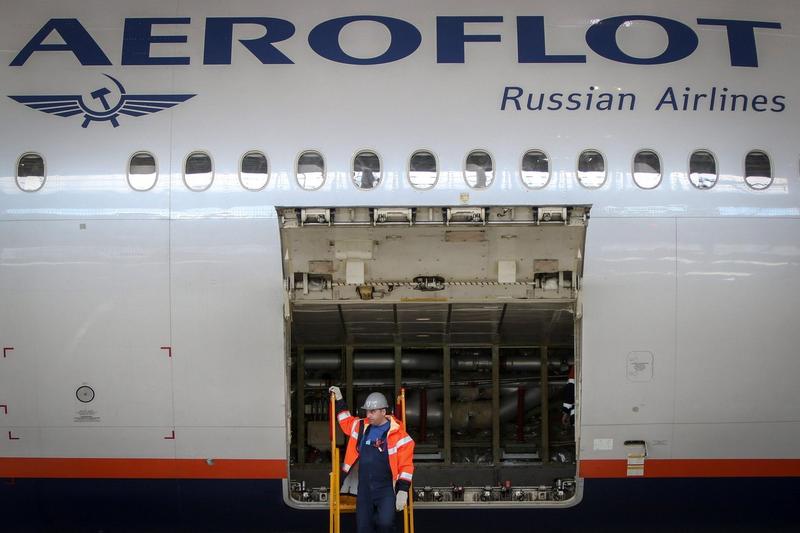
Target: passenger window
254	171
479	169
647	169
142	171
366	170
757	170
535	169
591	169
422	170
30	172
198	172
702	169
310	170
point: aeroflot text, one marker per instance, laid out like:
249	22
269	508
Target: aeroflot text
452	36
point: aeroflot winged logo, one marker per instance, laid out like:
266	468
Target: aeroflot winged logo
106	106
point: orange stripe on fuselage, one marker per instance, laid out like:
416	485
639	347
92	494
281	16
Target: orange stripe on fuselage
29	467
617	468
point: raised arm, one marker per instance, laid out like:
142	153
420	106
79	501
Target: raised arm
343	415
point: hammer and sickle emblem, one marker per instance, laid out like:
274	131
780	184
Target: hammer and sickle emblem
109	113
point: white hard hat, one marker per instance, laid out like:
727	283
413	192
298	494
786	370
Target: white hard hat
375	400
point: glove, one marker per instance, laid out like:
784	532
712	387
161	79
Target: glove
401	500
336	392
350	484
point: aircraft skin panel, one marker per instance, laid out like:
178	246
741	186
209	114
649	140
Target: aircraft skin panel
86	304
235	442
733	375
629	312
228	325
737	322
124	442
738	440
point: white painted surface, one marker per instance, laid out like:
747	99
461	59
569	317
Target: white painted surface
231	442
737	321
705	280
227	324
628	306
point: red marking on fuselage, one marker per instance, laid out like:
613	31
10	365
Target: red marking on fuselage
673	468
50	467
7	349
168	349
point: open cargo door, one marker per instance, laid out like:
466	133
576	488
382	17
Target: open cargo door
474	310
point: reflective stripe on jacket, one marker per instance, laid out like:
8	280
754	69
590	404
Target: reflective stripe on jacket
401	446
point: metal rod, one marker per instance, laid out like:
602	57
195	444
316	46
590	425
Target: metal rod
496	404
419	361
348	375
545	419
398	374
521	414
446	394
423	414
434	383
301	406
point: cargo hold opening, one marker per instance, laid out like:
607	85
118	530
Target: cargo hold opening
475	311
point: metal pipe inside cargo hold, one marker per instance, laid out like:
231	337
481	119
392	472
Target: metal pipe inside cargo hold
433	383
484	362
469	415
372	361
410	361
419	361
377	383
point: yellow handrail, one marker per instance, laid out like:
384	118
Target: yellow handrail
408	511
333	496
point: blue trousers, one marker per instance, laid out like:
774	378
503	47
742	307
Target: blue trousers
375	514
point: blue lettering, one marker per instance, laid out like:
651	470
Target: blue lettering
602	38
76	40
508	97
668	99
574	102
450	37
138	37
405	38
219	40
555	100
741	38
531	44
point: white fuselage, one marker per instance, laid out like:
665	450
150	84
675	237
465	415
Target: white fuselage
96	278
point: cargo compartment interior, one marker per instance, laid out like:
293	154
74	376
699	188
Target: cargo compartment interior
475	315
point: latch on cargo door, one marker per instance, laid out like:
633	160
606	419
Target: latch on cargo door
637	452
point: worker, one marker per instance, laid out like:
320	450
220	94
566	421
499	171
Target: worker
378	462
568	405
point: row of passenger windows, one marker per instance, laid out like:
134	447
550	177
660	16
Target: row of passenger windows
423	170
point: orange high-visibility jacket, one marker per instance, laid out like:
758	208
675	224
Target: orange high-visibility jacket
401	446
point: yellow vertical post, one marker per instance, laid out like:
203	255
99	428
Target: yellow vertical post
408	512
330	504
333	495
338	517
